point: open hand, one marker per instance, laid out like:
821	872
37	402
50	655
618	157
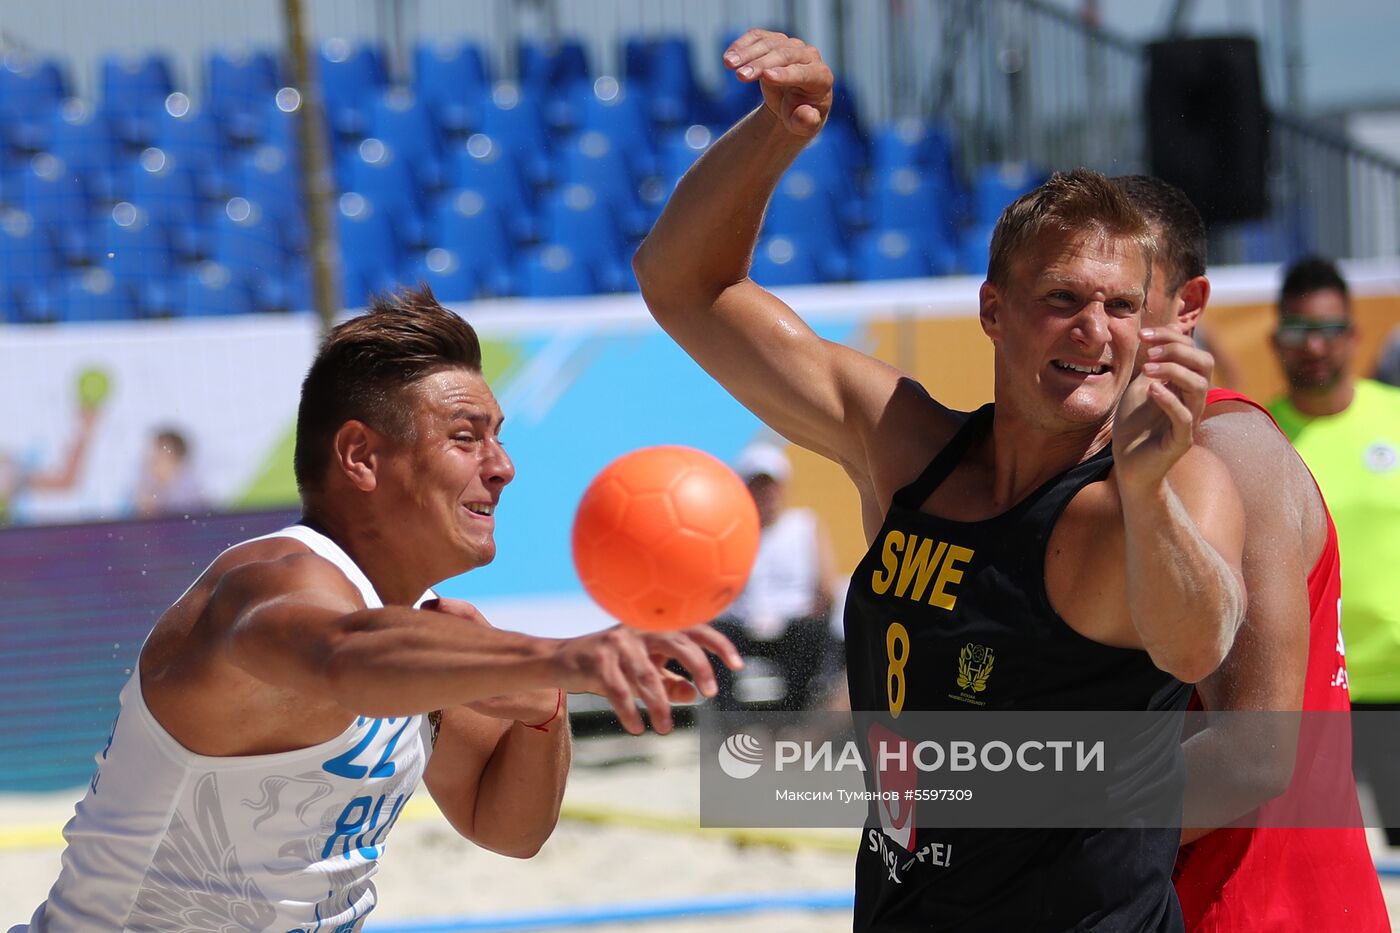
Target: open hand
796	83
1158	414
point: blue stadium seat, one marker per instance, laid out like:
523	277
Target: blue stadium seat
250	243
267	176
733	99
679	150
351	77
135	250
917	144
576	218
134	89
909	199
403	122
801	210
593	159
830	162
29	261
891	254
208	290
636	61
780	260
167	192
472	228
93	296
370	254
58	202
450	78
237	83
277	123
451	277
552	271
974	252
31	89
511	115
545	67
84	140
608	109
995	186
486	166
193	138
378	172
673	92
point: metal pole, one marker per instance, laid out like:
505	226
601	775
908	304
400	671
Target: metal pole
315	178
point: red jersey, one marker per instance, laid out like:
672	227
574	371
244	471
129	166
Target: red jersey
1269	878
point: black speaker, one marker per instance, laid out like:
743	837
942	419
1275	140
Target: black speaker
1207	127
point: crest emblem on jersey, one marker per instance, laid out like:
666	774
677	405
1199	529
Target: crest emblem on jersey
975	666
1381	457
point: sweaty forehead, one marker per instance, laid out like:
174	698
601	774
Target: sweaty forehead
1093	258
457	393
1326	304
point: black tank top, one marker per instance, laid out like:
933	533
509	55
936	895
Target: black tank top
949	615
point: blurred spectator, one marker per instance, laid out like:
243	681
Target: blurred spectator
168	481
781	616
16	480
1348	432
1388	365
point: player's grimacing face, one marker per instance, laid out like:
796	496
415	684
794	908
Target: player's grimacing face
1076	306
454	468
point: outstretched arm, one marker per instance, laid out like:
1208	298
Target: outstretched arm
297	623
693	268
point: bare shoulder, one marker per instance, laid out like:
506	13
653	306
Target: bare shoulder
198	695
1278	492
912	429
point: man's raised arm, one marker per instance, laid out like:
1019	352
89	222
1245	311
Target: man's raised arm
693	267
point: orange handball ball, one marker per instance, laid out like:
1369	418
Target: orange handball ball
665	537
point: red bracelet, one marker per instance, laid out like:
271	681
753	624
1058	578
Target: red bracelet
558	706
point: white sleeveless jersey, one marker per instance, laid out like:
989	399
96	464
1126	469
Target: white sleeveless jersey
785	578
167	840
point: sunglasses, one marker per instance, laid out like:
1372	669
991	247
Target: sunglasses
1295	333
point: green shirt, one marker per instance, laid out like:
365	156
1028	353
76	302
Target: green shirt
1355	456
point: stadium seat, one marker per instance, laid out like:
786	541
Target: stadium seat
135	250
194	139
237	83
996	185
267	177
576	218
379	173
403	121
679	150
513	116
484	165
673	91
552	271
594	160
83	139
351	76
31	90
544	67
606	108
29	261
248	242
801	210
832	165
94	296
891	254
451	277
207	290
780	260
167	192
909	199
370	254
134	89
451	77
974	252
58	202
472	228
